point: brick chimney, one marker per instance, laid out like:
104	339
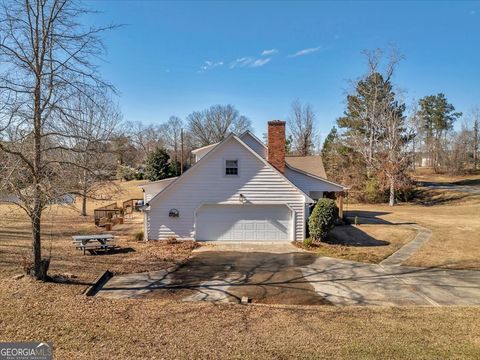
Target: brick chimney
276	144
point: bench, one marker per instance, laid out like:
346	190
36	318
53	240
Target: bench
93	243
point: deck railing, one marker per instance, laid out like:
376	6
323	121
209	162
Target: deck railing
106	212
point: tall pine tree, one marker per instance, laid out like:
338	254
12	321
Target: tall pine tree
437	116
157	165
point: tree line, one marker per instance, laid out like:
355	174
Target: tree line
375	146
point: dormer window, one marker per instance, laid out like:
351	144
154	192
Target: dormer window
231	167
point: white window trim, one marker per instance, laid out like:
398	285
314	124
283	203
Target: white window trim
225	168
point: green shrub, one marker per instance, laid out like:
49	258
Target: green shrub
138	175
125	173
373	192
308	242
322	219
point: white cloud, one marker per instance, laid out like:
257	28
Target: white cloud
304	52
241	62
260	62
249	62
269	52
208	65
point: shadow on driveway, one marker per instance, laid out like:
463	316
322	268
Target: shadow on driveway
227	276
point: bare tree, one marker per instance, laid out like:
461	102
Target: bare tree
172	133
46	59
215	124
474	124
303	129
95	123
145	138
393	159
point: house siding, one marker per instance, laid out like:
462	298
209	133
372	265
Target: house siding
207	184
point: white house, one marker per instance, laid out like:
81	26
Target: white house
238	190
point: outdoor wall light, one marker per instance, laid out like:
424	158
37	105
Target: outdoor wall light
173	213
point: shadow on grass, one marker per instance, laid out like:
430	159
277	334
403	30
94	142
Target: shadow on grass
372	217
429	197
59	279
114	251
349	235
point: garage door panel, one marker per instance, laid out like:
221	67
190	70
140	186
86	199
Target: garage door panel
243	223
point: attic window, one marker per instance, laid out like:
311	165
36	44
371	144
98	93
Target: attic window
231	167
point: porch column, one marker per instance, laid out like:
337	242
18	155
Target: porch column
340	204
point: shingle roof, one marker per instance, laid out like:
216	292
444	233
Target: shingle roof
310	164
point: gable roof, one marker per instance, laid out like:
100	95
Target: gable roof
310	164
204	148
340	187
158	181
215	149
248	132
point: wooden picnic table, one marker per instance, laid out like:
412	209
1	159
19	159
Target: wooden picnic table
93	243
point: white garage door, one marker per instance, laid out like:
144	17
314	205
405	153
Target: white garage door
243	223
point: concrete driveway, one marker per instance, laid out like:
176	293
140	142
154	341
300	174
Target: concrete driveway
470	187
224	273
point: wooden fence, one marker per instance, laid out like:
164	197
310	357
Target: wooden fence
131	205
111	212
107	212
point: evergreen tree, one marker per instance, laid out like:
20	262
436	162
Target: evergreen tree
366	109
375	130
288	144
157	165
342	164
437	116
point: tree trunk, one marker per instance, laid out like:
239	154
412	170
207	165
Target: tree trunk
392	193
475	144
84	194
414	155
84	203
40	267
38	271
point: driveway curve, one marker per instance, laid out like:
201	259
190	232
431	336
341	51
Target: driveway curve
292	277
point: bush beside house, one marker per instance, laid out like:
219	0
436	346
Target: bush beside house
322	219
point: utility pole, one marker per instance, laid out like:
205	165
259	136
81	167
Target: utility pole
181	151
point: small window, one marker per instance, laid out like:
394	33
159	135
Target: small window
231	167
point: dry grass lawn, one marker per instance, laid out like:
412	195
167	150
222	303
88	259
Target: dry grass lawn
427	174
455	223
92	328
370	243
59	223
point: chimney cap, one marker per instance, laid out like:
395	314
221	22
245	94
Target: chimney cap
276	122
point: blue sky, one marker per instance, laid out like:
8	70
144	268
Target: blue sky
172	58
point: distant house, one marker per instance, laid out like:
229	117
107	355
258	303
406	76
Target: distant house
238	190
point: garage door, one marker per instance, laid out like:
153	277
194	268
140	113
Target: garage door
243	223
